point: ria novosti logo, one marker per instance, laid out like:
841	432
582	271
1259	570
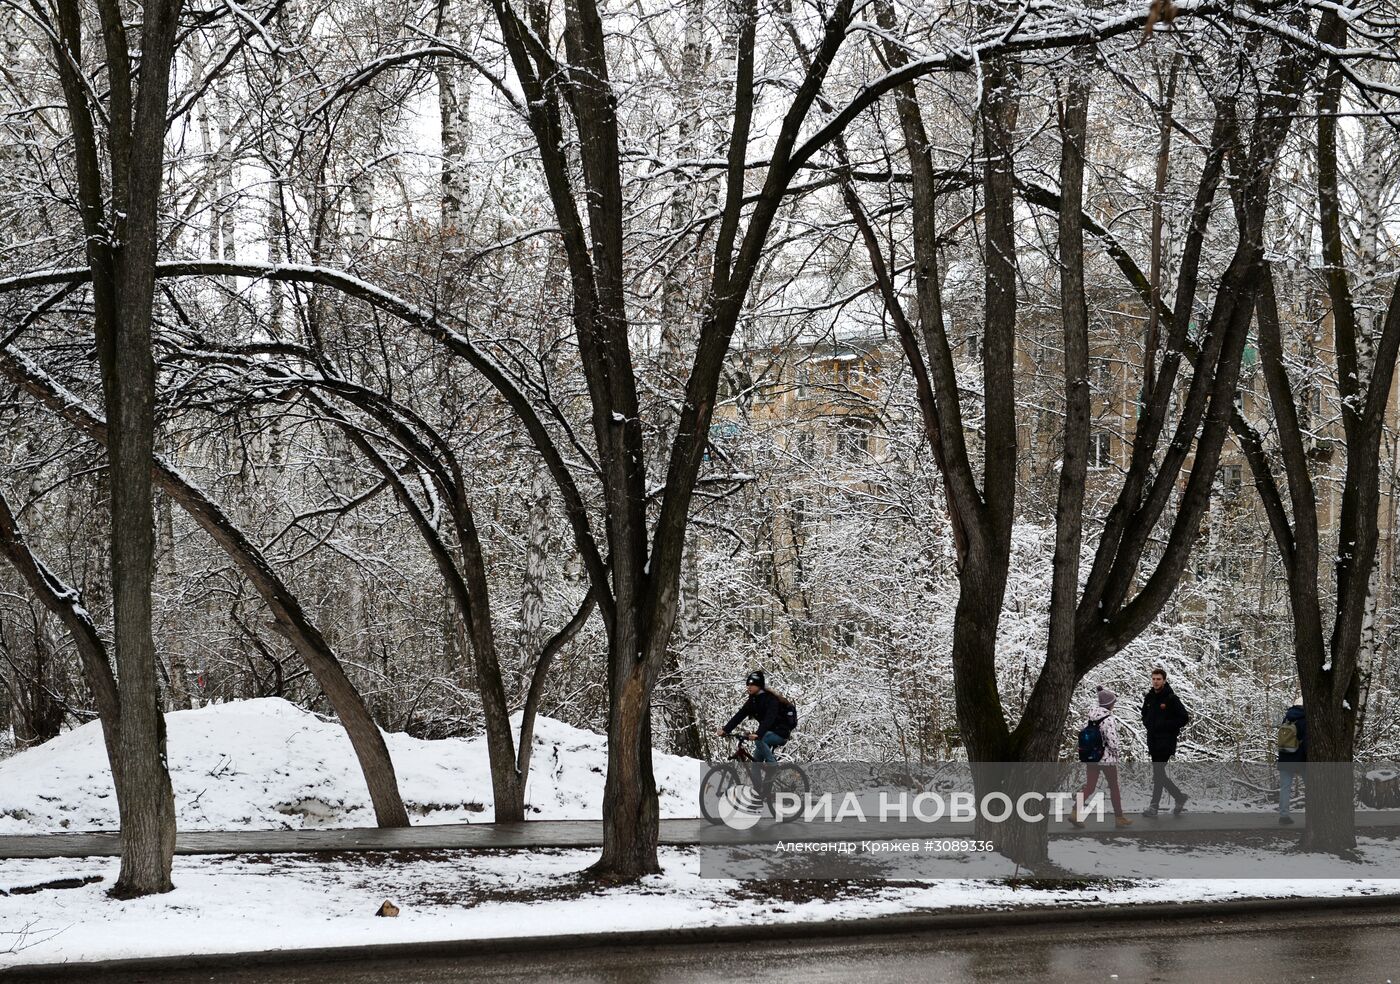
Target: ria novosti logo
741	807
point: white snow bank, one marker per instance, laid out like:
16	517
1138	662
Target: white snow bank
268	764
225	904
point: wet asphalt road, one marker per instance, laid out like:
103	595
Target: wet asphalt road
1328	947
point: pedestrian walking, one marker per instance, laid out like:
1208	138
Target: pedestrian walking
1098	747
1163	717
1292	755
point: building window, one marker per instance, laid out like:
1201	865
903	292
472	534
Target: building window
1232	479
846	371
974	346
1100	450
798	513
804	382
737	386
853	437
806	444
1100	375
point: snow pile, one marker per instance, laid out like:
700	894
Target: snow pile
268	764
231	904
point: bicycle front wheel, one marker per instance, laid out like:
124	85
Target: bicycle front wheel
718	783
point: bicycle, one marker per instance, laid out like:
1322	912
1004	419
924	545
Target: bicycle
732	783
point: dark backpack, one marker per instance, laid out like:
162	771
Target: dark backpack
790	714
1091	746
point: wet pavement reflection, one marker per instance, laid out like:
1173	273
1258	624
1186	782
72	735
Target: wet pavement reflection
1332	946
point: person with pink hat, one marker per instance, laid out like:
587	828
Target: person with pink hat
1098	747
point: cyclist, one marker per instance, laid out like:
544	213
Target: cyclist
771	710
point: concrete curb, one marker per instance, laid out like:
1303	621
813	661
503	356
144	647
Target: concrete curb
1027	918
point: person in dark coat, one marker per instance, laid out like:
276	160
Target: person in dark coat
1291	760
1163	717
770	710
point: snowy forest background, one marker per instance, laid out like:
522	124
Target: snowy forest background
386	140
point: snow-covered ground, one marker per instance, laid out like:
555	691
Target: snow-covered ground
223	904
268	764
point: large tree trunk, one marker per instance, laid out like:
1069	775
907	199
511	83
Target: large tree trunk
507	786
128	376
1332	673
1329	783
632	814
121	243
981	720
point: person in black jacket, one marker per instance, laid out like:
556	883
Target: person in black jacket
1291	761
770	710
1163	717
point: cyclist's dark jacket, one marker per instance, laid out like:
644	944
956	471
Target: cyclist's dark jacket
767	710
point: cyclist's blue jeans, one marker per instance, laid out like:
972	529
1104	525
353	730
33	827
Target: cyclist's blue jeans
763	748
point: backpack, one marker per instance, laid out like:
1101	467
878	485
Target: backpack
1091	747
1288	736
790	715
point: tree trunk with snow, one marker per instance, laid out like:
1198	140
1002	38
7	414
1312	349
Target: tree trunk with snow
1332	661
122	241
